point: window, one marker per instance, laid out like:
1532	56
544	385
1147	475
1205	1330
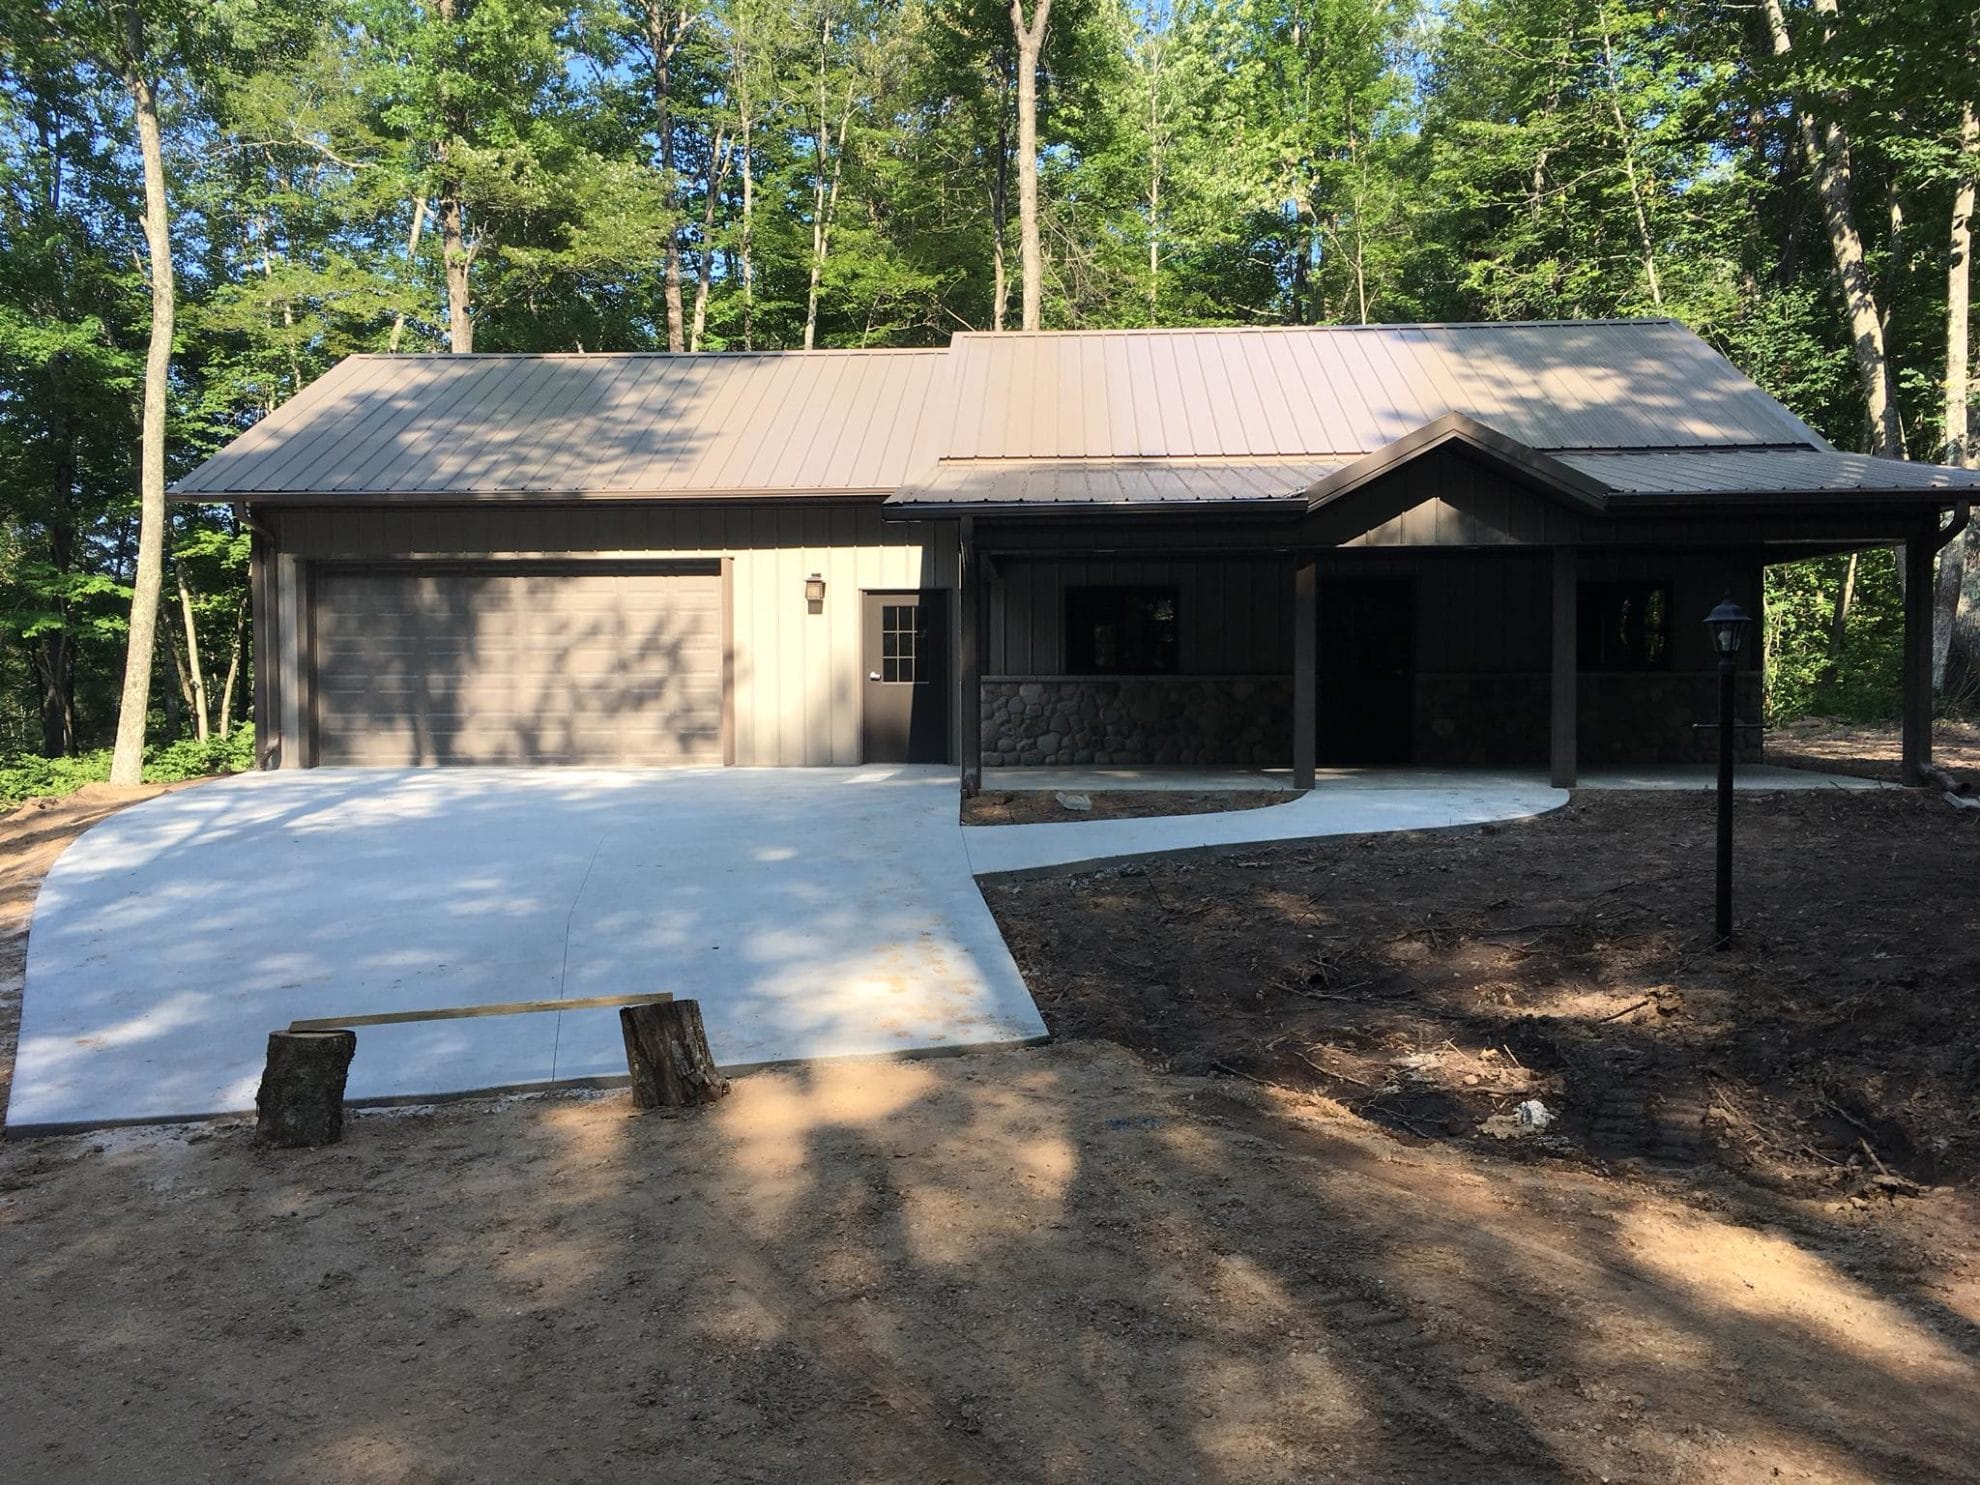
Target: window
1624	626
1120	631
899	628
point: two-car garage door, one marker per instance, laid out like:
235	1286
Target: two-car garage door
507	664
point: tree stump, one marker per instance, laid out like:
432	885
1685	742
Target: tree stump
667	1055
301	1099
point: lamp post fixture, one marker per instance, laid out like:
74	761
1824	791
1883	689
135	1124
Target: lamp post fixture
1728	624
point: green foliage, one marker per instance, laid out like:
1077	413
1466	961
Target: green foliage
1806	675
30	776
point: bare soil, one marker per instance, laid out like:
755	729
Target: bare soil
1871	750
1434	981
1058	1264
1039	806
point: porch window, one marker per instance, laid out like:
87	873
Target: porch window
1121	630
1624	626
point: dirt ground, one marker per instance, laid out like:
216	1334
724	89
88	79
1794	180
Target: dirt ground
1059	1264
1434	981
1036	806
1871	750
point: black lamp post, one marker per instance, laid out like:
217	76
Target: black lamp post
1728	624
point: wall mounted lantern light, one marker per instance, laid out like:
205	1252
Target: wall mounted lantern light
814	592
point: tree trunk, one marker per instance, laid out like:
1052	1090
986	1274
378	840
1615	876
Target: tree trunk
667	1055
722	155
127	759
1826	149
1626	140
195	673
1000	205
1030	43
1154	170
824	191
300	1102
233	667
456	255
1956	634
412	258
1839	617
665	31
55	655
748	244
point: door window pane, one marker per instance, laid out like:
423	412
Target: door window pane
899	628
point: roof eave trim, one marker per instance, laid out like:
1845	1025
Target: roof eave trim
521	497
1498	450
912	510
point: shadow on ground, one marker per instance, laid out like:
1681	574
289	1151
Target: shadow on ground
1053	1265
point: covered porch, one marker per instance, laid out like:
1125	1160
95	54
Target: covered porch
1454	601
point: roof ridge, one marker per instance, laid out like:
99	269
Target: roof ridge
443	356
1125	330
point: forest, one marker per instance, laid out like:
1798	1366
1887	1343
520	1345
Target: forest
206	203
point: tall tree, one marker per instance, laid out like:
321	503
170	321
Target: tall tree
1029	34
135	50
1825	146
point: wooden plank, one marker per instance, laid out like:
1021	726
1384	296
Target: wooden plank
463	1012
1561	767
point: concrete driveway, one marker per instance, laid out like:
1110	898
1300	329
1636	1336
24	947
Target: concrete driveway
814	913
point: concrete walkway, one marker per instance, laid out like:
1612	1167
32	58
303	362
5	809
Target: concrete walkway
1347	804
1345	801
814	912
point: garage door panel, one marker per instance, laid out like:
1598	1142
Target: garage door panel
466	667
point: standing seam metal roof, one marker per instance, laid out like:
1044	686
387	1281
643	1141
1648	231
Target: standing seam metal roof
1099	417
804	422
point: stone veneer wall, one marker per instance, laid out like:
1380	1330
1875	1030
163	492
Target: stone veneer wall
1647	718
1232	720
1246	721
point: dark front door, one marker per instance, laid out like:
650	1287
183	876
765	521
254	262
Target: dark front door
1367	647
906	654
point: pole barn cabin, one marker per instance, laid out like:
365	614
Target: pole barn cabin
1430	544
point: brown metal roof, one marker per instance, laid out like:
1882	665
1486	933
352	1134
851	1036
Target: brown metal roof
1055	419
815	422
1765	472
1255	392
966	484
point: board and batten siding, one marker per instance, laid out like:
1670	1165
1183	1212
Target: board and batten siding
1234	615
797	673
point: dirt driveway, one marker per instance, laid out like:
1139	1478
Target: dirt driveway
1052	1265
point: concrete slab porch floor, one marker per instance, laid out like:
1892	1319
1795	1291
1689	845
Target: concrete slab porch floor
813	912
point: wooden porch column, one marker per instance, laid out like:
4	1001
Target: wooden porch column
1306	669
1561	752
972	591
1918	591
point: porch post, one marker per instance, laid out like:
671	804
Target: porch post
1306	669
1561	753
1918	591
969	580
